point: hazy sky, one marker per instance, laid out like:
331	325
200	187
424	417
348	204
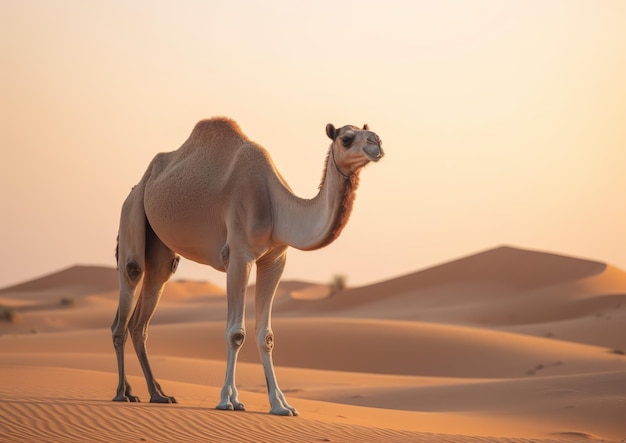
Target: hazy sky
504	122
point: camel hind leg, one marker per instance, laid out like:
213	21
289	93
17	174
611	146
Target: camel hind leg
160	264
130	256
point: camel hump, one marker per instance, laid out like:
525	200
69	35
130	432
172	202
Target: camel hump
216	129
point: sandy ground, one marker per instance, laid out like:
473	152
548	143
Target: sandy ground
506	345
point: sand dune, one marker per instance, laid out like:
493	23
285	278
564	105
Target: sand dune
494	276
504	345
372	346
98	277
505	288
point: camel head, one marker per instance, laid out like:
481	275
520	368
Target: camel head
353	147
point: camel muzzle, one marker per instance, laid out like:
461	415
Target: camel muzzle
373	152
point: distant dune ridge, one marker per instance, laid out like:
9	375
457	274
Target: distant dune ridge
100	277
504	345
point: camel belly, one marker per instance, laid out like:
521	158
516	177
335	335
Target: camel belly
186	223
186	239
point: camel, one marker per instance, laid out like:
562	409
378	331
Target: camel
219	200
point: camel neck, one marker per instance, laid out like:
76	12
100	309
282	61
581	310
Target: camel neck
332	155
309	224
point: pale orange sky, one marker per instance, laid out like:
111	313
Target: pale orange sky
503	121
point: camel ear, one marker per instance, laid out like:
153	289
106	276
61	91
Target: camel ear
366	127
331	132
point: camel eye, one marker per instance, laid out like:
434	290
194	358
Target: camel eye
347	139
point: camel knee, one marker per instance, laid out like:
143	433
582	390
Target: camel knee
133	272
265	341
236	338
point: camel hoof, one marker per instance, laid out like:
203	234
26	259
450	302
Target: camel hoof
230	407
163	400
282	411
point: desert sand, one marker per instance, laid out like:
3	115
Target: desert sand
505	345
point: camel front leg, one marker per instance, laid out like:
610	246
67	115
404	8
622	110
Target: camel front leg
237	275
269	271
